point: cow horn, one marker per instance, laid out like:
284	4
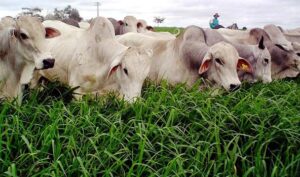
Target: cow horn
261	43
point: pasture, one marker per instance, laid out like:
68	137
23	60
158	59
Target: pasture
170	131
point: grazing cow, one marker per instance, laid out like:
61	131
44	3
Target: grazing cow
292	31
257	55
181	60
22	50
294	37
277	36
71	22
285	62
93	60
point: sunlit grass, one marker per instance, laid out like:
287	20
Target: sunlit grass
170	131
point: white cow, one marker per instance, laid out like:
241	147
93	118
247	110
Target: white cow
22	50
181	60
257	55
93	60
285	62
128	24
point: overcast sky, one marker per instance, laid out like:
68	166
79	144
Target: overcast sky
181	13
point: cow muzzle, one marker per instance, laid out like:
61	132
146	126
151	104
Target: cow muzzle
234	87
48	63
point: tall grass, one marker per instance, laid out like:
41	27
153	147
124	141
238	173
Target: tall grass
170	131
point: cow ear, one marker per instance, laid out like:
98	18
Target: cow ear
139	25
205	63
244	65
261	43
121	22
113	70
114	65
204	66
51	32
150	28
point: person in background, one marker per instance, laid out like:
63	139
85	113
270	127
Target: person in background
214	23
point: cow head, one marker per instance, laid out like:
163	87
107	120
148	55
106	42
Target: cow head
285	62
131	68
141	26
31	42
150	28
129	24
261	62
220	65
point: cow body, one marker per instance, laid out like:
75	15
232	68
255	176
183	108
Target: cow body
258	55
285	62
178	60
22	49
98	63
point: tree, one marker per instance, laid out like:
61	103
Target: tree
159	20
58	14
67	12
74	14
50	17
32	11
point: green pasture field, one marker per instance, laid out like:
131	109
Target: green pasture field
170	131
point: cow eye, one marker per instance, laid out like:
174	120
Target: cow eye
266	61
219	61
298	54
126	24
23	36
125	71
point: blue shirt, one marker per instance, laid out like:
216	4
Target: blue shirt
214	23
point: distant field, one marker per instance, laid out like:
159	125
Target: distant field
170	131
169	29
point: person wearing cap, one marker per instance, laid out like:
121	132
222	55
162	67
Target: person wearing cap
214	23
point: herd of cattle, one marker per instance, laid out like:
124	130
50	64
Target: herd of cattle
109	55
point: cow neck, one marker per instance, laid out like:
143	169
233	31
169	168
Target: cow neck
191	51
193	54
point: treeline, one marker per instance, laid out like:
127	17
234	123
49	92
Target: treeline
58	14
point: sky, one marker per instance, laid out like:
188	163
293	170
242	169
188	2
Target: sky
179	13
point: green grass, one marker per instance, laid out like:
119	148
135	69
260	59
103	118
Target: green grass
173	30
171	131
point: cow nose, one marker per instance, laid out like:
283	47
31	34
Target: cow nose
234	87
48	63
